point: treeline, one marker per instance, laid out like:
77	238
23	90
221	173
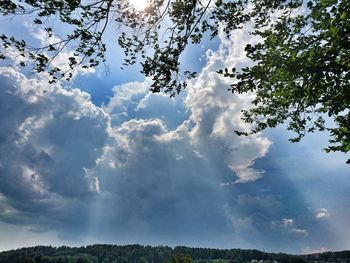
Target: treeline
160	254
341	257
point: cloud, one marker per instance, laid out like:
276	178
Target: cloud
152	190
150	171
209	116
216	114
49	136
126	99
288	221
309	250
290	225
61	60
61	161
299	231
322	213
38	37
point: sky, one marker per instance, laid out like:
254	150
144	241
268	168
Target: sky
102	160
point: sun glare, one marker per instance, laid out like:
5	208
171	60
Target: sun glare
139	5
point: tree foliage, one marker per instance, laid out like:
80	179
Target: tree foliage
180	259
302	73
160	254
300	70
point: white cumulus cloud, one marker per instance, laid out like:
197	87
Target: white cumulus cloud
322	213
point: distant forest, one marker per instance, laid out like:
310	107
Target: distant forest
160	254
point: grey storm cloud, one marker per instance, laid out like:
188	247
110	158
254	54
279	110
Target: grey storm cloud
54	147
48	136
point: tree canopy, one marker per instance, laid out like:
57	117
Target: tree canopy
300	70
159	254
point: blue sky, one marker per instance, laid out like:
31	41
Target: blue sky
101	160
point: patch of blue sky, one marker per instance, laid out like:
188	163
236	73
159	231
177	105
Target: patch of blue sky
305	180
113	73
